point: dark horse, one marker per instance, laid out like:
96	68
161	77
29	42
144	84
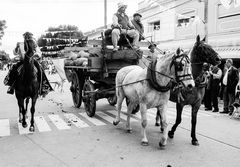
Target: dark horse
200	53
27	87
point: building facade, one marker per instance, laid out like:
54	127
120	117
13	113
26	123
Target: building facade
176	23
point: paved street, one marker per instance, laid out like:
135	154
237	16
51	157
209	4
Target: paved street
66	136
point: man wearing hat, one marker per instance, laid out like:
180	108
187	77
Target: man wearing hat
122	25
152	54
30	46
136	21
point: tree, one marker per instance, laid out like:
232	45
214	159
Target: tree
57	38
2	27
4	57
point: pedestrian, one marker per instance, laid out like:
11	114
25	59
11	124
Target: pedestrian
152	54
122	25
207	95
215	79
136	21
230	80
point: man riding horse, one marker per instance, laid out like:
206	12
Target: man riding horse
28	49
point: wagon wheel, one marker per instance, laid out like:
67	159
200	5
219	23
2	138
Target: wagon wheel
89	99
76	89
112	100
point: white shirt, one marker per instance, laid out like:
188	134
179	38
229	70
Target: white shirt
225	78
20	50
218	75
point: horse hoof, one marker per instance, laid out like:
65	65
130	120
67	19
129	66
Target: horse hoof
24	125
115	123
157	124
144	143
31	129
129	130
195	143
161	130
161	145
170	134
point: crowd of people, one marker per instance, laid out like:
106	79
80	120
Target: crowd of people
223	84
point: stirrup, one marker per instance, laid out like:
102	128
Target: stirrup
10	91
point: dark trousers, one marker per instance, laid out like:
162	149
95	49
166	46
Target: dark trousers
228	98
214	95
207	99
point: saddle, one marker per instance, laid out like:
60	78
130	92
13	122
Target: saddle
20	70
122	41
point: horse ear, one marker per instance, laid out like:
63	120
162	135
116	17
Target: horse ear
204	39
198	38
178	51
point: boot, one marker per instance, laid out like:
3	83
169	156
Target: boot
10	90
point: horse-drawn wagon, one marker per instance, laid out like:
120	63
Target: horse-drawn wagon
92	75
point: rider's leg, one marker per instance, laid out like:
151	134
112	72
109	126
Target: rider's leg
12	76
115	38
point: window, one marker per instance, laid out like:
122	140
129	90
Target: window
184	22
184	19
154	26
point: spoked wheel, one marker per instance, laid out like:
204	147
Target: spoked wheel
112	100
76	89
89	98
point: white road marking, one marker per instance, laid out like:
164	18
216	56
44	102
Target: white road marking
93	120
4	127
105	117
42	124
75	120
24	130
122	116
59	122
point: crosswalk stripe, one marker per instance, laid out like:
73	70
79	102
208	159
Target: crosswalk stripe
75	120
105	116
24	130
42	124
59	122
122	115
93	120
4	127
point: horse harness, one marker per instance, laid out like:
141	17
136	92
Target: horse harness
151	74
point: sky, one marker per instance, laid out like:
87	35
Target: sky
37	16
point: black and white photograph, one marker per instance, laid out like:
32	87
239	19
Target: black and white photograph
119	83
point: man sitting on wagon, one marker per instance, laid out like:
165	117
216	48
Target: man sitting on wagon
122	25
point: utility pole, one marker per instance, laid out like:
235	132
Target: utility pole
206	20
105	14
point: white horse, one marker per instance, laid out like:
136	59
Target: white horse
150	87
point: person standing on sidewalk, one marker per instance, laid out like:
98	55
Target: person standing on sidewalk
230	81
215	79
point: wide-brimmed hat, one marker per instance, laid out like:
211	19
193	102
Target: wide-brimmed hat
151	45
121	5
137	14
27	34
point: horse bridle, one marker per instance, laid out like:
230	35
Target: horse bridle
179	67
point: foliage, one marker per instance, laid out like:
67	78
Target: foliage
57	38
4	56
2	27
